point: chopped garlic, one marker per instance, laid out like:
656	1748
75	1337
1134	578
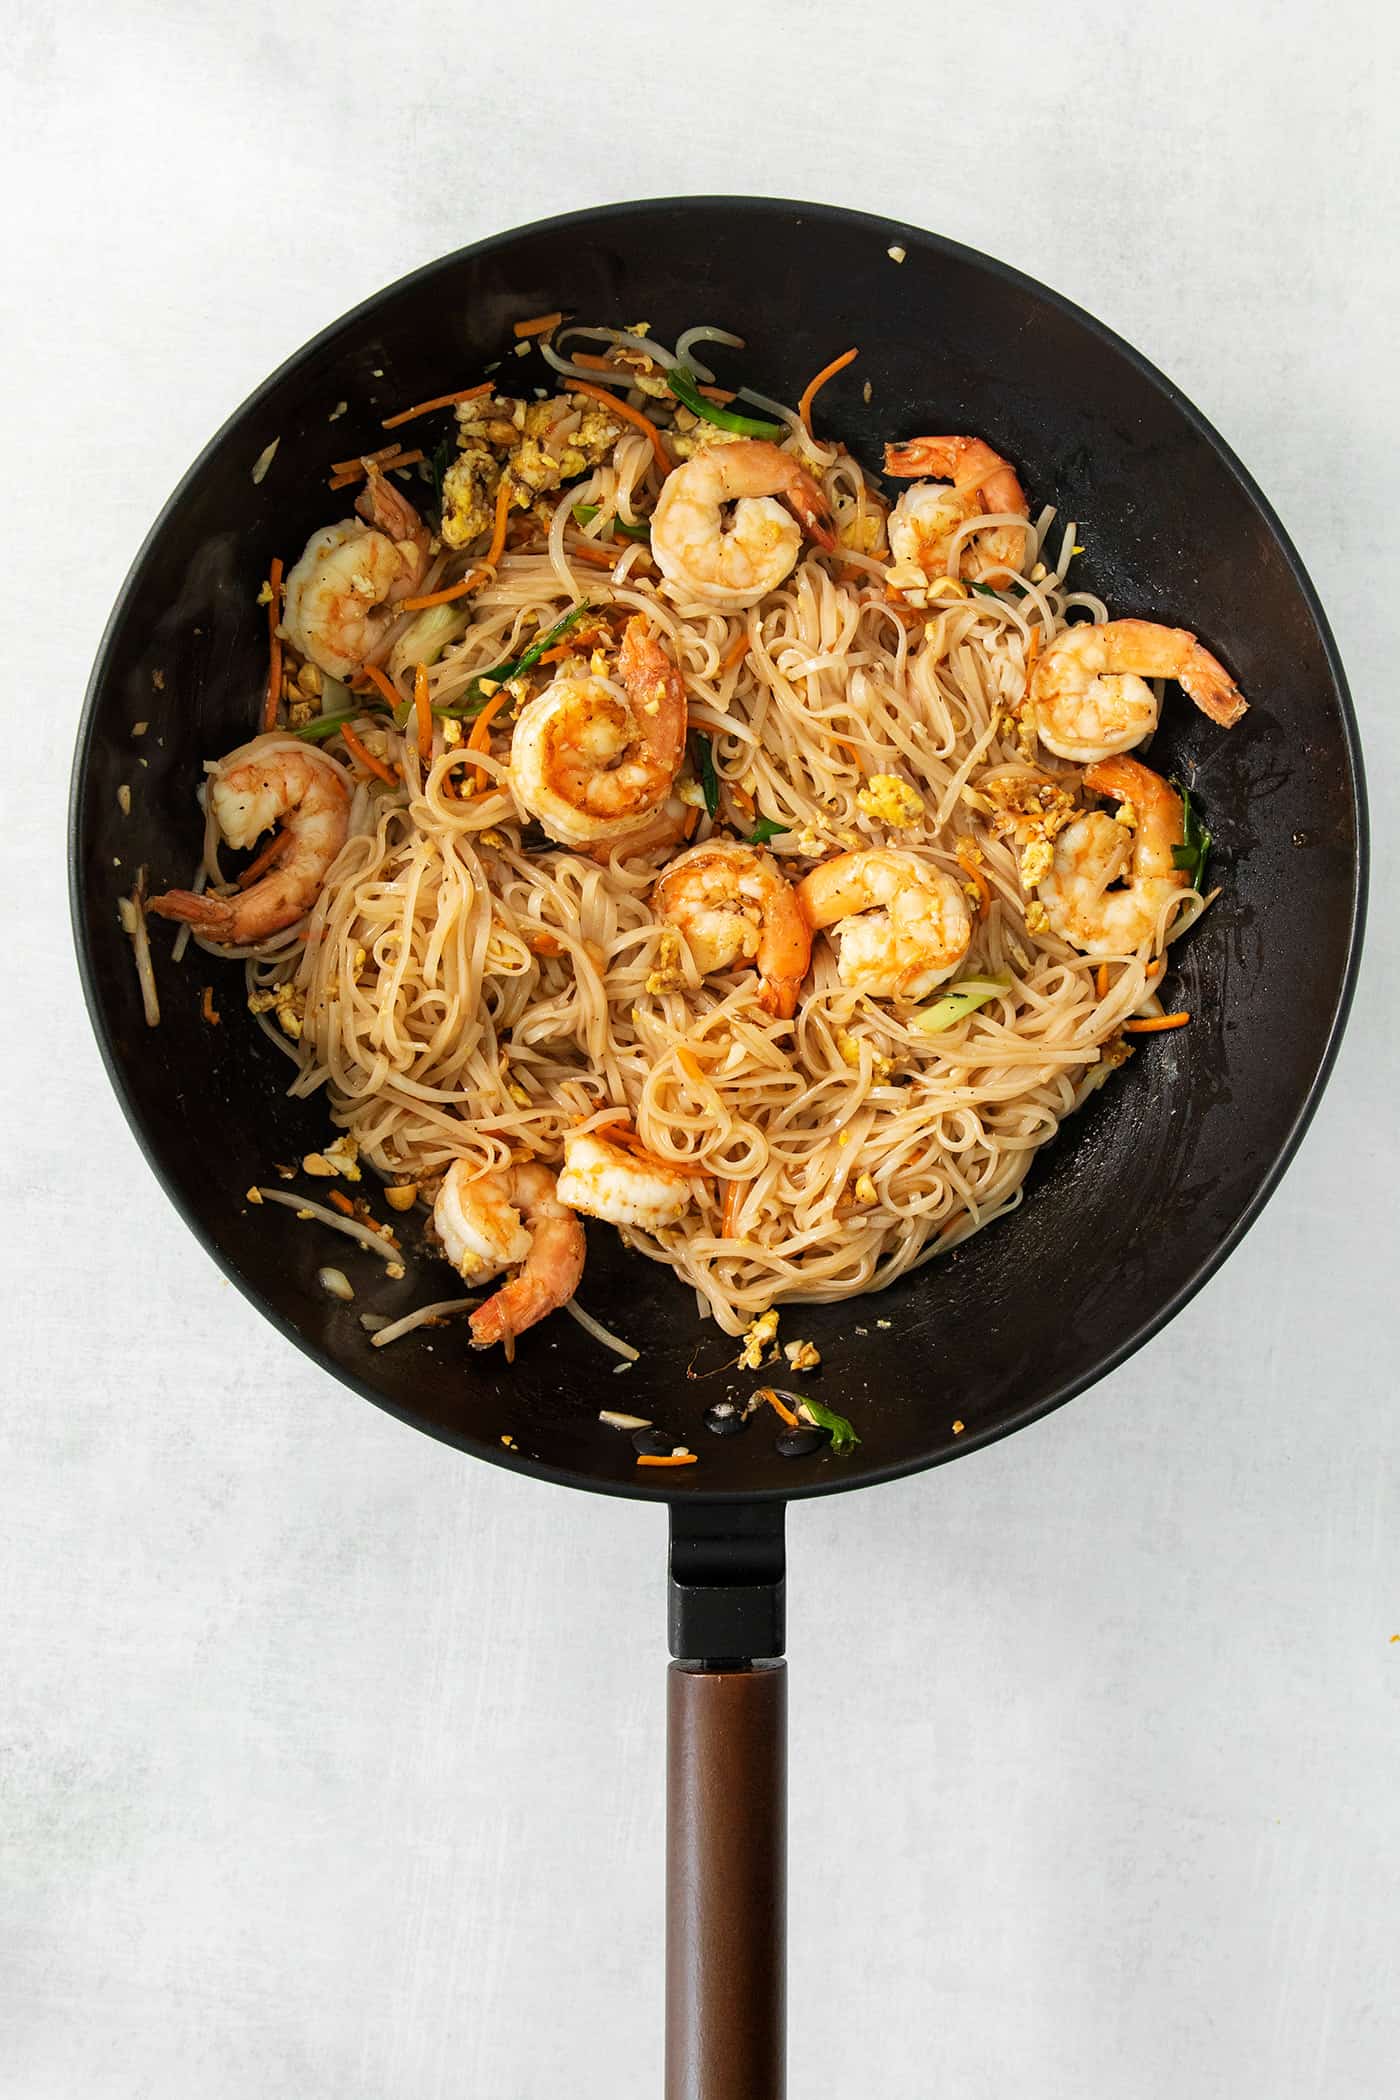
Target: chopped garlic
896	253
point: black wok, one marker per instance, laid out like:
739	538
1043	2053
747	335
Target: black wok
1126	1213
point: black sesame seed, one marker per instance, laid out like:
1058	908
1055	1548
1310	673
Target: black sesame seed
724	1418
800	1443
653	1443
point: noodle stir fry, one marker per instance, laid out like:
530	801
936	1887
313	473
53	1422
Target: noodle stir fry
657	820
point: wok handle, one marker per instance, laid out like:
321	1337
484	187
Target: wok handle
726	1881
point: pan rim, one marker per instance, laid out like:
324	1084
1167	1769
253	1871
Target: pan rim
873	1475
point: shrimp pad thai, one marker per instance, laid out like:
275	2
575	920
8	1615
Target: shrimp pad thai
658	815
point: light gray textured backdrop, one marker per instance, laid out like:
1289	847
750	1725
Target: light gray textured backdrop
332	1763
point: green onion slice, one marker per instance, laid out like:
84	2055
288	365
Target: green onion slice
474	699
958	1002
703	760
682	383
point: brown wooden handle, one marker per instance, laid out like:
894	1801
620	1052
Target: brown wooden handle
726	1881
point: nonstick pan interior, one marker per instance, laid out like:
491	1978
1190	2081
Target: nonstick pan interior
1139	1196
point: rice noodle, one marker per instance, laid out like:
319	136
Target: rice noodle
440	1026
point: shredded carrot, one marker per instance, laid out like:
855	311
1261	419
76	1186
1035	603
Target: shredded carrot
361	460
1153	1024
424	408
734	1194
544	943
975	876
591	362
541	325
741	796
341	1201
557	654
445	597
690	1064
480	739
382	686
628	414
814	386
367	758
676	1458
423	709
343	478
274	645
736	655
596	557
273	850
691	824
1101	981
208	1008
694	728
721	394
856	750
766	1392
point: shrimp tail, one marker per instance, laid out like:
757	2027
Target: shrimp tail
1212	688
548	1280
213	916
812	511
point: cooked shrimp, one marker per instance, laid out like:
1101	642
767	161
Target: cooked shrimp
1095	851
925	518
308	792
734	907
604	1181
510	1220
340	595
593	765
733	562
1089	689
904	923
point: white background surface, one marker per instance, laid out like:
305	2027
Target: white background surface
332	1763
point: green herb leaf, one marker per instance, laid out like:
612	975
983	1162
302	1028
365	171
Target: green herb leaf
585	513
473	700
703	760
1191	856
768	828
984	590
682	383
958	1002
843	1436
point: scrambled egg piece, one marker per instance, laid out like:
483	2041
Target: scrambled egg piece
1037	859
560	441
803	1356
667	975
1037	810
864	534
889	800
286	1005
880	1065
1037	917
693	434
757	1336
540	444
